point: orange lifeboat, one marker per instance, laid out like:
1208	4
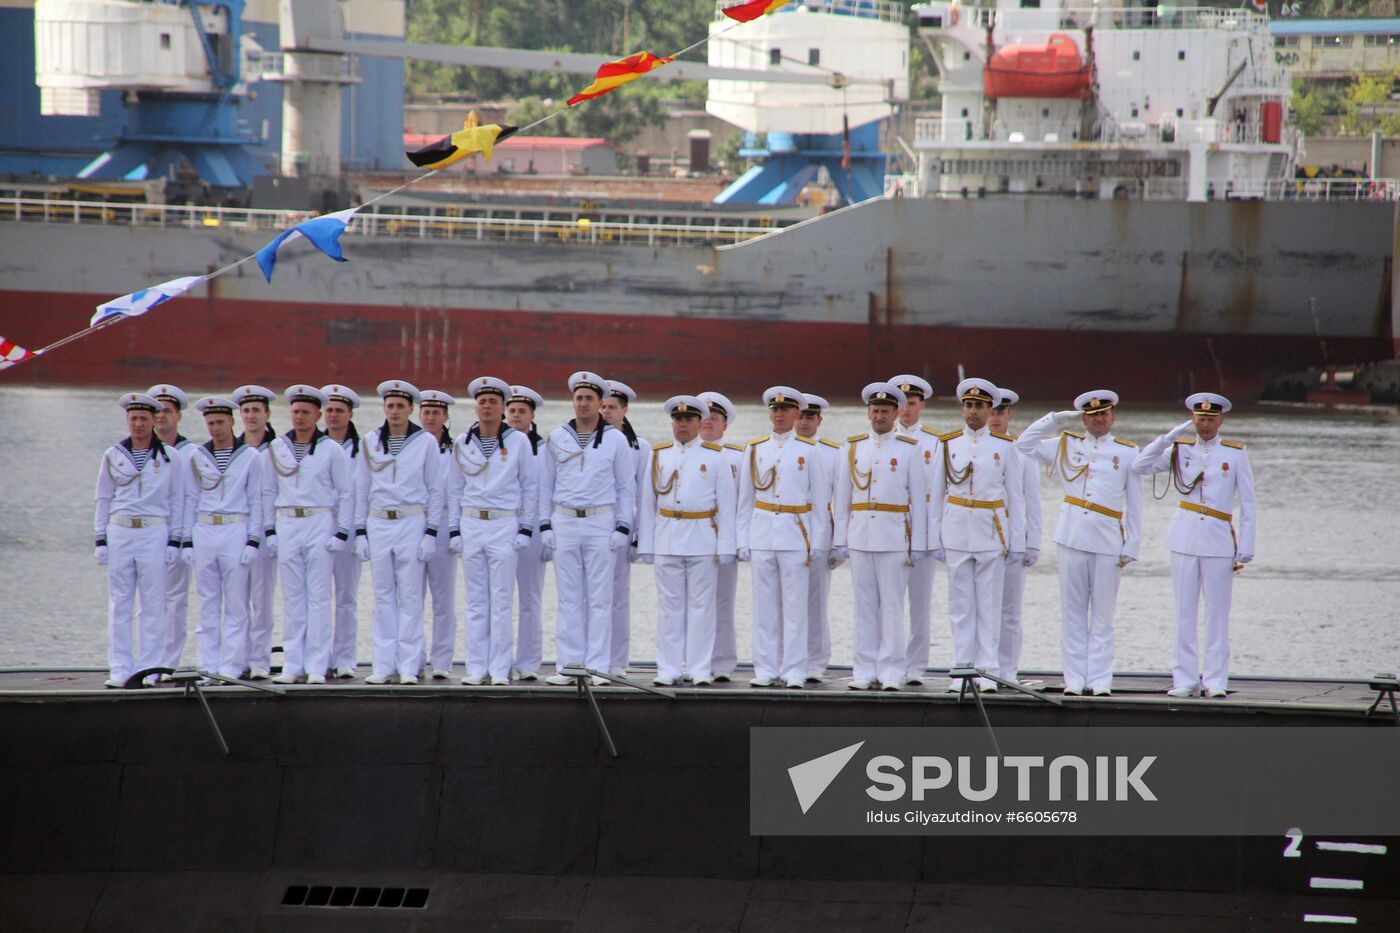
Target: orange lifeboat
1052	70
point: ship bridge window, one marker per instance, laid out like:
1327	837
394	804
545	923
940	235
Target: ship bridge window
1137	56
1382	40
1181	55
165	40
814	56
775	56
1030	4
1288	42
1331	42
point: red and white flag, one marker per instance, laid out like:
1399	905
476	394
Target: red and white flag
12	353
1260	6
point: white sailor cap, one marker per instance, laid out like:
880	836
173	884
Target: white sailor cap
397	388
215	405
882	393
784	397
1208	403
717	402
432	398
340	393
621	390
1009	397
169	393
583	379
979	389
489	385
251	393
815	403
685	406
525	394
139	401
304	393
1095	401
912	386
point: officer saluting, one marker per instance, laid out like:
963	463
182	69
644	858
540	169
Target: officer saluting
880	510
521	408
1208	472
254	408
223	517
809	422
137	520
784	494
491	500
339	415
917	391
686	527
976	514
1099	531
712	429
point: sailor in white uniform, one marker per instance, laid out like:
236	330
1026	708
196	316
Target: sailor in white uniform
1013	589
433	410
1098	533
137	520
309	494
712	429
587	493
1207	547
809	423
521	408
614	411
338	416
784	496
173	402
492	497
223	517
976	515
401	509
917	391
254	409
880	511
686	528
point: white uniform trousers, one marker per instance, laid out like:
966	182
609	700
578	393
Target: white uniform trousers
135	566
920	614
818	624
974	606
583	577
345	584
304	565
441	572
621	612
1013	591
398	576
262	592
1191	578
177	613
685	628
779	615
1088	594
880	580
529	581
221	638
488	566
726	641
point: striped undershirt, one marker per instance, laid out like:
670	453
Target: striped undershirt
584	439
396	443
222	457
299	450
140	455
488	444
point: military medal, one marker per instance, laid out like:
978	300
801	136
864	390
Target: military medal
1224	468
1115	463
801	462
894	462
702	468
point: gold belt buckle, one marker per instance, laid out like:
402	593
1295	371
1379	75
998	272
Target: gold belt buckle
484	514
580	513
138	523
300	511
391	513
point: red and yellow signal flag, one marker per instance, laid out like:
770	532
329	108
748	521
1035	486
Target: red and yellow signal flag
750	10
614	75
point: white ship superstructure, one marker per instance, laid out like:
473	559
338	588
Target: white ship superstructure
1178	103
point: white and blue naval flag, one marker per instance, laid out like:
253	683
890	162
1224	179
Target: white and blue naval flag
323	232
140	302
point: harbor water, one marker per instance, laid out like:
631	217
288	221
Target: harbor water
1319	599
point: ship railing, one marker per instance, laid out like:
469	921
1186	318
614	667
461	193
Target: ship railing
45	210
884	10
1326	189
1154	17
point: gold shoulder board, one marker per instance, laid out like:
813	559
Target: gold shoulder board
1188	441
950	435
806	440
759	440
905	438
707	445
827	442
928	430
856	437
661	446
1125	443
1005	437
738	447
1075	434
1238	445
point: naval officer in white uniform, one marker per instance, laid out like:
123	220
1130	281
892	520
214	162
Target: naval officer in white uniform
339	419
1099	531
521	409
310	493
880	512
712	430
686	528
1013	587
434	408
254	410
809	424
223	517
173	402
976	515
137	521
587	493
917	391
614	411
1209	472
492	496
784	497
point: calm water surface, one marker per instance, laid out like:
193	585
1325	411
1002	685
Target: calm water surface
1320	598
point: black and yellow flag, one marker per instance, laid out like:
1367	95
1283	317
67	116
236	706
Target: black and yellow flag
469	140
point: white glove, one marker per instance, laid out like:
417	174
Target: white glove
1065	418
632	553
362	547
172	554
1125	560
817	557
547	551
454	544
647	558
249	555
1242	558
917	556
521	542
1183	429
744	554
270	542
1015	557
1032	556
726	559
620	540
335	544
100	552
547	539
187	556
427	546
839	555
940	555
